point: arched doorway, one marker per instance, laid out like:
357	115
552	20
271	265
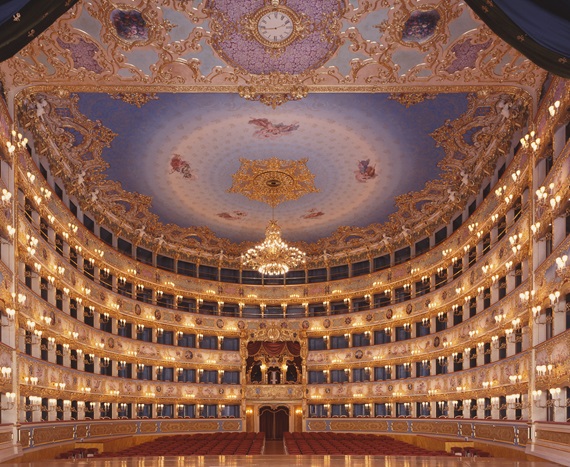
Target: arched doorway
274	421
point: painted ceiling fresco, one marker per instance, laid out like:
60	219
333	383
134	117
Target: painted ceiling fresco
159	101
182	149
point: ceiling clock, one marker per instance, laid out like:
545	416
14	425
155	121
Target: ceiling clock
275	26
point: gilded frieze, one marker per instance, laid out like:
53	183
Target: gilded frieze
53	434
316	425
105	429
148	427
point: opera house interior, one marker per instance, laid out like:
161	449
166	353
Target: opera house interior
307	220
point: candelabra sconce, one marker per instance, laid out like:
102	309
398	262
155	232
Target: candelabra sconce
105	318
426	323
426	363
554	299
35	404
50	344
122	323
105	272
86	390
159	371
562	268
554	108
457	406
104	362
442	361
514	402
10	401
89	358
17	141
442	316
515	379
10	316
457	357
512	336
530	140
457	310
159	332
200	337
482	404
104	407
89	311
407	328
388	331
60	386
497	344
121	365
31	380
496	403
488	384
140	328
6	372
140	368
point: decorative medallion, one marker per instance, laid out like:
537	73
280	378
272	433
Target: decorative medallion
420	26
265	37
273	181
129	25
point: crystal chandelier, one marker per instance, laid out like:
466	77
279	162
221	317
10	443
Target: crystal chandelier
273	257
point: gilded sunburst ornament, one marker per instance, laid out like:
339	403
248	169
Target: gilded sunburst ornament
273	181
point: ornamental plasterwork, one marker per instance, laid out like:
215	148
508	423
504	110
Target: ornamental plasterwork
490	120
101	56
273	181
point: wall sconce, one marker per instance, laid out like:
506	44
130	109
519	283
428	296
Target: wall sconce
34	405
426	322
553	109
530	140
407	328
10	315
6	373
140	328
442	361
457	357
442	316
31	380
89	358
562	269
140	367
10	401
554	299
514	401
104	362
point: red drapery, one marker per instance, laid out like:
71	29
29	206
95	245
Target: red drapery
274	348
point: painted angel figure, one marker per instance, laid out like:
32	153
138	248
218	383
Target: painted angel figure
365	171
271	130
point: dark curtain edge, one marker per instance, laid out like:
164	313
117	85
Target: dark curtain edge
512	34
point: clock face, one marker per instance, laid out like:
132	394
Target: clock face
275	27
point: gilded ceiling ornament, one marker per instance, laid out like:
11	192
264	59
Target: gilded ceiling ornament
408	99
135	98
273	181
270	98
